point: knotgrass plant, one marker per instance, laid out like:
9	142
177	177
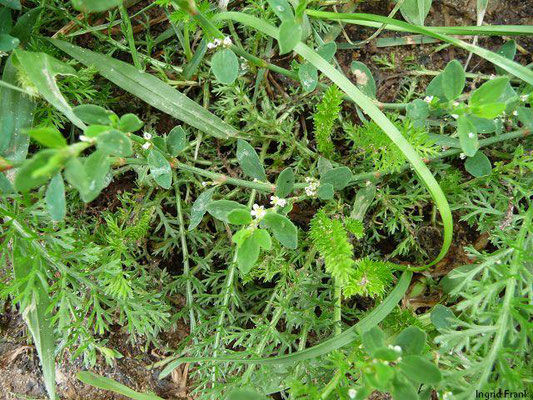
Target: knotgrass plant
269	291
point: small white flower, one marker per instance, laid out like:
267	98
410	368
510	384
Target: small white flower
258	211
455	116
363	281
447	396
312	187
455	103
462	156
515	113
492	76
204	183
352	393
524	97
211	45
147	135
428	99
87	139
227	41
471	135
276	201
147	145
397	349
214	44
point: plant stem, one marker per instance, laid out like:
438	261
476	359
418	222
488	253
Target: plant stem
129	35
337	316
185	252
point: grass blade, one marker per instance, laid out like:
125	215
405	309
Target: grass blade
102	382
373	112
372	319
16	115
42	70
151	90
508	65
34	311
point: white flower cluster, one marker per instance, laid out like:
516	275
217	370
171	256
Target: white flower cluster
147	136
258	212
277	201
352	393
312	186
428	99
226	42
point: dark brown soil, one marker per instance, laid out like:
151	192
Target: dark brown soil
20	372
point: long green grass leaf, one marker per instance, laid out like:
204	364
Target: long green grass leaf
508	65
42	70
348	336
34	310
373	112
16	115
151	90
102	382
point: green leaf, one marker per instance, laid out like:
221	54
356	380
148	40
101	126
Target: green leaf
308	75
220	209
130	123
325	191
55	198
420	370
114	142
48	136
507	50
225	66
364	79
42	70
249	161
418	112
96	130
151	90
35	311
449	84
199	208
479	165
176	141
415	11
88	175
290	33
263	239
284	230
373	339
411	340
94	6
14	4
525	115
102	382
160	168
282	9
6	22
327	51
8	43
467	136
23	29
285	183
245	394
489	92
338	177
247	255
91	114
403	390
25	181
239	217
453	80
490	110
441	317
